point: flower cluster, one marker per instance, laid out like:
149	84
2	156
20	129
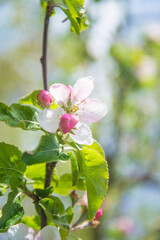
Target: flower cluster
73	111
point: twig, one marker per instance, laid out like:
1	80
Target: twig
49	166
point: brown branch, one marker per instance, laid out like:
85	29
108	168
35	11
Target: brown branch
49	171
49	166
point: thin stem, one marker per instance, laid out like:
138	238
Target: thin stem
48	177
44	51
27	192
49	166
43	218
49	171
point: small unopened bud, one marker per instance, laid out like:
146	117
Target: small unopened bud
70	89
67	122
44	98
98	214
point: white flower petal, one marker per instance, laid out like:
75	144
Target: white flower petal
49	119
92	110
48	233
60	93
82	89
82	134
20	232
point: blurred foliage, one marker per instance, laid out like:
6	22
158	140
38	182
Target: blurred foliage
131	133
134	167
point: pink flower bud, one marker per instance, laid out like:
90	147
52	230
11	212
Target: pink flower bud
98	214
44	98
67	122
70	89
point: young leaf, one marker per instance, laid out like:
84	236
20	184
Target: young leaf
12	211
75	170
30	99
25	117
53	205
3	112
80	162
2	190
96	177
37	174
11	166
73	20
64	220
33	222
76	7
42	193
19	116
63	233
48	150
65	185
78	156
97	147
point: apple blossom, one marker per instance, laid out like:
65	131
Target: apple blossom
44	98
70	89
21	232
74	100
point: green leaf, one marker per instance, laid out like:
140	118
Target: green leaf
3	112
64	220
73	20
53	205
75	10
75	169
96	177
65	185
11	166
73	237
63	233
76	7
12	211
83	22
30	99
97	147
80	162
2	190
33	222
42	193
37	174
44	3
19	116
71	8
48	150
77	153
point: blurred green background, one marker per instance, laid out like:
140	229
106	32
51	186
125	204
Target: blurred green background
121	50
